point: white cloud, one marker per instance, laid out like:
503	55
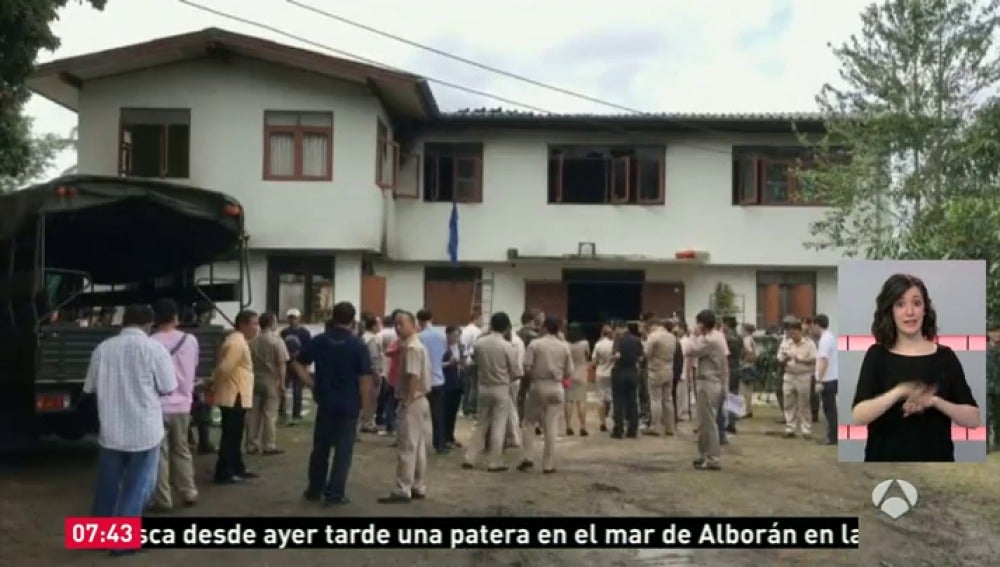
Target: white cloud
653	55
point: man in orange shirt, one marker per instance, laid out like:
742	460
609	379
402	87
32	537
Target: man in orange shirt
232	383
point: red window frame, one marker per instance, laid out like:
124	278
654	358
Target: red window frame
298	134
457	160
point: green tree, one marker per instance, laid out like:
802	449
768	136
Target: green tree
907	114
42	153
25	29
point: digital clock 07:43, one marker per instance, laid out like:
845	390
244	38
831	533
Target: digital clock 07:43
103	533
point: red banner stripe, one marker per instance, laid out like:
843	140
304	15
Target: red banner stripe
860	433
973	343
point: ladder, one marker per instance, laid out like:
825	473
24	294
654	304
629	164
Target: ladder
482	297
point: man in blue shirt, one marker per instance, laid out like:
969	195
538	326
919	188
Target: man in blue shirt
342	372
436	343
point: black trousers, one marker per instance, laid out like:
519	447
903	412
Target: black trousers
625	401
522	394
642	386
452	403
814	401
436	399
829	397
337	434
230	461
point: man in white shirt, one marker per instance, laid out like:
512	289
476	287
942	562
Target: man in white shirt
129	373
603	360
470	333
385	410
826	376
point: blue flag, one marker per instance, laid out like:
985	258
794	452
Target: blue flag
453	234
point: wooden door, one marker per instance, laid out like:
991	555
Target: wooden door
449	301
373	295
663	299
769	305
803	300
549	296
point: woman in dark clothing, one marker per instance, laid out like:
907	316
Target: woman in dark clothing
453	358
910	389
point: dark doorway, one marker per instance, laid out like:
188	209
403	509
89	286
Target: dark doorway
597	296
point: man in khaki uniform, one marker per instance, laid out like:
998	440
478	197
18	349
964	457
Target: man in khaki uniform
708	349
413	413
547	362
270	363
498	367
798	354
659	350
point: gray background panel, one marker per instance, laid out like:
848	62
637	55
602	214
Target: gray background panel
958	292
957	289
965	451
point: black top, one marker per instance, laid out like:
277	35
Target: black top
919	438
341	360
630	351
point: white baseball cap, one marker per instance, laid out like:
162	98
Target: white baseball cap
293	313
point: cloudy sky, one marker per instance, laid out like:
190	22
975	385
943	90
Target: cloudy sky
649	55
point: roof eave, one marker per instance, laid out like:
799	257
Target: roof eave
679	124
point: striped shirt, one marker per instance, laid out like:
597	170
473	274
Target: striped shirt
129	373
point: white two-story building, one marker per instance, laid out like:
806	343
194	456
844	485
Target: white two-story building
348	174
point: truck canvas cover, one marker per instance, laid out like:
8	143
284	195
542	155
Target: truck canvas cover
121	229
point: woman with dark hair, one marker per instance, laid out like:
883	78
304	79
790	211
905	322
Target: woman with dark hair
910	389
576	394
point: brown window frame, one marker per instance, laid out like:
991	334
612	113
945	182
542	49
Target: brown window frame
632	177
760	162
385	146
125	149
413	193
459	155
298	133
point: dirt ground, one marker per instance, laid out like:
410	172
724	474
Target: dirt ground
955	523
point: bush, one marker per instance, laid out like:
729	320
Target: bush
767	363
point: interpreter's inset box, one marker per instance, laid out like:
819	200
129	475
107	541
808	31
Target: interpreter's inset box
912	361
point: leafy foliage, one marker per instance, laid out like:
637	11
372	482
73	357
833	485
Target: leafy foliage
24	31
924	156
43	151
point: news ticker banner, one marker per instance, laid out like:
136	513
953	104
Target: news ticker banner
461	533
957	343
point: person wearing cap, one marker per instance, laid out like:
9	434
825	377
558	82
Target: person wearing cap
294	329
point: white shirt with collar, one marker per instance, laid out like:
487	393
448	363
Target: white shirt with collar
519	350
827	349
470	334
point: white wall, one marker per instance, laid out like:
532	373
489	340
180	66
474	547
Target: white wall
227	104
698	213
405	288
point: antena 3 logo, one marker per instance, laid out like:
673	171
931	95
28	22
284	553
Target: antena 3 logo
894	506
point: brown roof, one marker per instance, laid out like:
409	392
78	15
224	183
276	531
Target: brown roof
404	94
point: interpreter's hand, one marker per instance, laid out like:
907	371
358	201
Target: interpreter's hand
906	390
819	388
919	401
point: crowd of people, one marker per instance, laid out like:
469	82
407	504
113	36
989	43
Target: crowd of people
405	378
